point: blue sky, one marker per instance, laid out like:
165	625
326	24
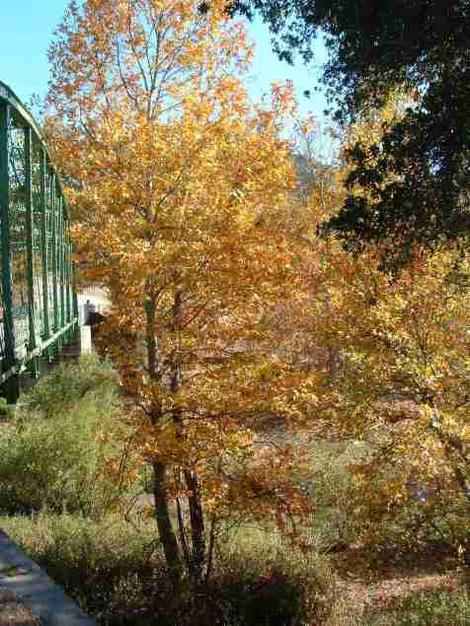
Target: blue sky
26	30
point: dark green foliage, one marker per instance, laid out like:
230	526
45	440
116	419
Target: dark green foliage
271	599
420	188
7	411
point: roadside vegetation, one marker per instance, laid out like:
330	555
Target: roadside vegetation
96	537
55	450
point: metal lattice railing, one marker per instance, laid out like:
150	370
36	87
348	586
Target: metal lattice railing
38	308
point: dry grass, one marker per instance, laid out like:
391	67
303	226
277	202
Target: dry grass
13	613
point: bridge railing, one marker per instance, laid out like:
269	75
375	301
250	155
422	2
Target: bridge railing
37	297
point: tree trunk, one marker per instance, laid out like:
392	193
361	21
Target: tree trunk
162	514
165	529
196	514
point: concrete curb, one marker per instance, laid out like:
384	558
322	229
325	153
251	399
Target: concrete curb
35	589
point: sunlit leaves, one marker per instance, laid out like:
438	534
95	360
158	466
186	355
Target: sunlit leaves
179	187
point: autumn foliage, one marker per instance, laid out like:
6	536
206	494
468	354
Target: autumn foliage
177	181
229	310
402	388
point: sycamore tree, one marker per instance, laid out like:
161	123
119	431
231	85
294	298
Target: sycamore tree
177	184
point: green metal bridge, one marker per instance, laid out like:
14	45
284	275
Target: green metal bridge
38	308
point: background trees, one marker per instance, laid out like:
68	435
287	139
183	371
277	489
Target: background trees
403	391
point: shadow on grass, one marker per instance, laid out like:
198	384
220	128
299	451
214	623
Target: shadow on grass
115	572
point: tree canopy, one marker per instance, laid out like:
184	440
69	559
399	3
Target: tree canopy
239	334
178	187
417	172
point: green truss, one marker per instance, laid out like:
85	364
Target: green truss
38	306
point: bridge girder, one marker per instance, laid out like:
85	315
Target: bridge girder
37	297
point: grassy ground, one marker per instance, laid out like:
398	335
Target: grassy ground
57	504
114	570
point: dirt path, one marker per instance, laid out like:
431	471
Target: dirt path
363	596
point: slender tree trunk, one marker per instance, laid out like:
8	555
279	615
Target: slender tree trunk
165	528
196	514
210	549
182	534
162	514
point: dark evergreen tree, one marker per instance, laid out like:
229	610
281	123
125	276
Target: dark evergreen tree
419	182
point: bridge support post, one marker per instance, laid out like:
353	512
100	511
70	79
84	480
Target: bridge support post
45	247
55	298
68	281
61	270
9	359
32	343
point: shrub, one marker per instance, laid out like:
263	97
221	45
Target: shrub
54	454
95	561
115	570
89	379
7	411
262	579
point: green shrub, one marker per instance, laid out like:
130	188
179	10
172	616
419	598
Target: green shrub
89	379
54	454
7	411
